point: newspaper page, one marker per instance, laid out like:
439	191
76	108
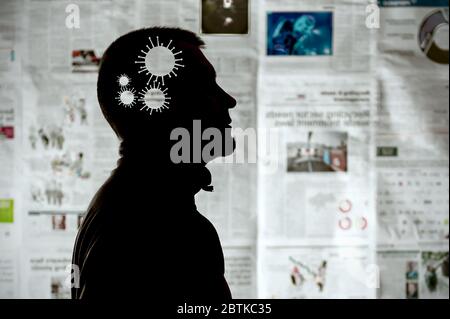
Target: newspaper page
316	36
322	162
412	132
316	183
412	149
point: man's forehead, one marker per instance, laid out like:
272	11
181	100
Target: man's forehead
205	67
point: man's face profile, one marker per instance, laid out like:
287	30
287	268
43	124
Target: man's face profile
217	102
191	93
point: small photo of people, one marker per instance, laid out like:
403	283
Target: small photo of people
59	222
85	61
412	280
434	277
412	290
300	33
225	16
412	270
318	152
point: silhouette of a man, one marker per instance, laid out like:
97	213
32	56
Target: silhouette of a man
142	235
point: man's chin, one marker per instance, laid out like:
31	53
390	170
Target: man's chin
229	143
230	147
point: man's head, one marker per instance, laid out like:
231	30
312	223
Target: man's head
304	25
131	67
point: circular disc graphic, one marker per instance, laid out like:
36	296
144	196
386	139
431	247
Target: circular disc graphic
345	206
345	224
431	26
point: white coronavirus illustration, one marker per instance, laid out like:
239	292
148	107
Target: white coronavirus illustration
159	61
127	97
154	98
123	80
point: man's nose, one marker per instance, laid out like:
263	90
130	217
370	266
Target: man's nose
228	101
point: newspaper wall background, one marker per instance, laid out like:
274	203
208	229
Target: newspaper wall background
350	200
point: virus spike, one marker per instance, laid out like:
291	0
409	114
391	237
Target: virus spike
157	41
151	42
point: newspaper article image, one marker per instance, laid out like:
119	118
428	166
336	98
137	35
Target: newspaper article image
225	16
85	61
53	224
412	280
435	275
319	152
300	33
327	273
6	210
59	222
414	37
